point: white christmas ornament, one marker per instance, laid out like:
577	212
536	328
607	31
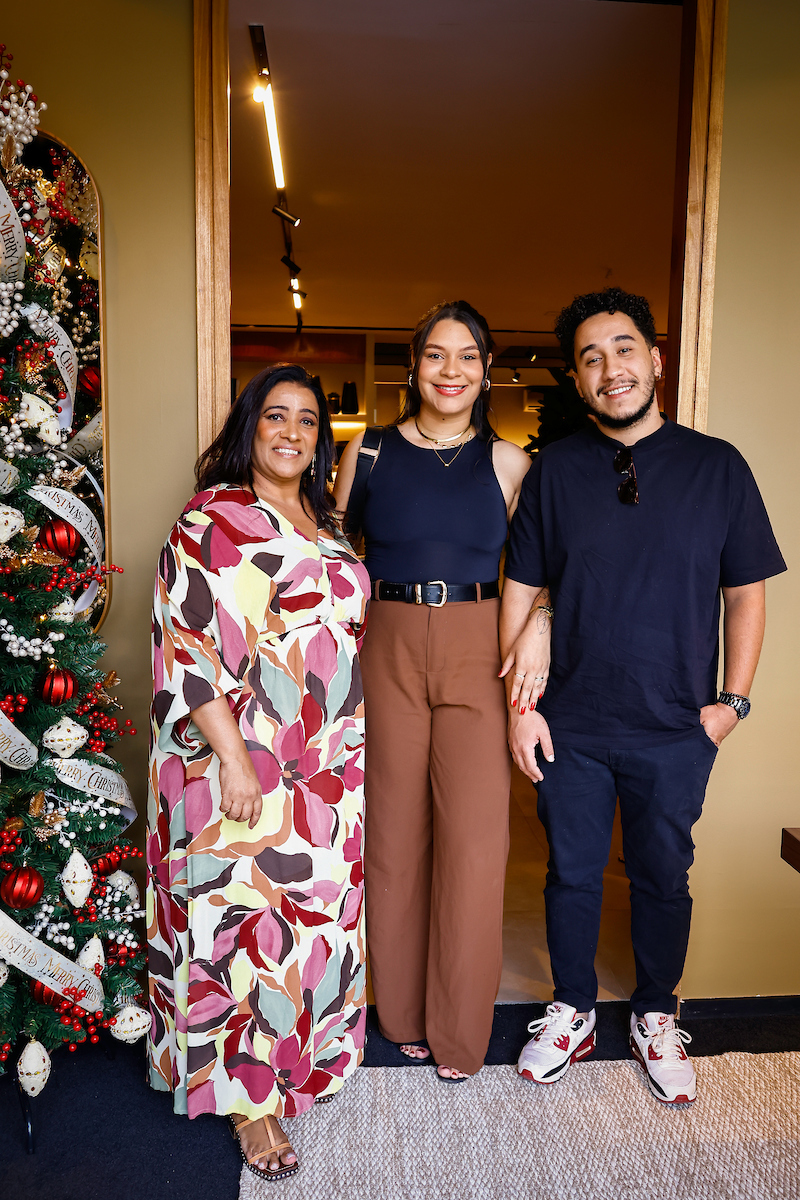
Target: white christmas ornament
65	738
3	972
11	521
91	955
124	882
132	1023
77	879
65	611
33	1068
36	414
9	477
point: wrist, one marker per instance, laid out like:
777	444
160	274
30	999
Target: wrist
735	702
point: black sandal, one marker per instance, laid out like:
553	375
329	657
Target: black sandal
274	1148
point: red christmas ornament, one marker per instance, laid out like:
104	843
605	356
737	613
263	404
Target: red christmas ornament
89	381
43	994
57	685
59	537
22	887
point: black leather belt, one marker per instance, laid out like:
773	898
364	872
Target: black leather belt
436	593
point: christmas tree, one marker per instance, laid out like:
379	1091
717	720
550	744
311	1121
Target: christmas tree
69	947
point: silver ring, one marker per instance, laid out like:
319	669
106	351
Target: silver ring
518	676
538	678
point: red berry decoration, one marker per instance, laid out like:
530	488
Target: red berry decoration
44	994
22	887
57	685
59	537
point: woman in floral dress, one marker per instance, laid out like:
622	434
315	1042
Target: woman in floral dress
257	976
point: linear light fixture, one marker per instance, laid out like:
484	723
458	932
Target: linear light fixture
263	95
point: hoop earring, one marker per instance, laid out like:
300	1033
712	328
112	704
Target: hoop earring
410	378
487	383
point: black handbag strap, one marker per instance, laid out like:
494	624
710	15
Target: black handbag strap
367	457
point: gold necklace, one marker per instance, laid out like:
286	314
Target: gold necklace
441	441
458	451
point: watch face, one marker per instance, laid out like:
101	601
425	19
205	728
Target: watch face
744	708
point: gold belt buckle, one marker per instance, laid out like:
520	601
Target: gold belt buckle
437	583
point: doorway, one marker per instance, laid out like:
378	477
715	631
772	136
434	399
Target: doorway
562	146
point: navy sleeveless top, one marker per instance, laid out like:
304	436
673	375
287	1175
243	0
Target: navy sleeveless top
424	521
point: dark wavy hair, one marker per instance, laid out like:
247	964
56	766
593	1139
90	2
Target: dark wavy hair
227	459
452	310
611	300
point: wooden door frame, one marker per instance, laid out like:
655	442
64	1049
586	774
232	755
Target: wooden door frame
212	216
695	212
694	242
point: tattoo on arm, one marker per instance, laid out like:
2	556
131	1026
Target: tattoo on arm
542	611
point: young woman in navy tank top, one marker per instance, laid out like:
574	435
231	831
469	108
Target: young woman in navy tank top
435	518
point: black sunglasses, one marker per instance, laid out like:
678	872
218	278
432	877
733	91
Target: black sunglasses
628	490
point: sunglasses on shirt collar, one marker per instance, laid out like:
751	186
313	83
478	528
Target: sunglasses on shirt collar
627	490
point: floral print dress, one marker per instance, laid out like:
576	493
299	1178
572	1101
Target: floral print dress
257	973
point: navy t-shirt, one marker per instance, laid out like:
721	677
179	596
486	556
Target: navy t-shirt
636	587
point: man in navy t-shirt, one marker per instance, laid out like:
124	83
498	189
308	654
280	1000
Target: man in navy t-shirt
636	524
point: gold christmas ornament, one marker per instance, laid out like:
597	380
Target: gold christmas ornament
77	879
88	258
42	557
91	955
52	824
111	680
33	1068
68	479
11	521
65	737
132	1023
37	805
13	824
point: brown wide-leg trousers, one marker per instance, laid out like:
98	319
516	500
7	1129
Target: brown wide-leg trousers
438	776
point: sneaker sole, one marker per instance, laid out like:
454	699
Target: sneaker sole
586	1048
637	1055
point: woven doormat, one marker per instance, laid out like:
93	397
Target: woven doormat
399	1134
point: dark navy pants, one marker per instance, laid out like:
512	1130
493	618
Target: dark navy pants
661	791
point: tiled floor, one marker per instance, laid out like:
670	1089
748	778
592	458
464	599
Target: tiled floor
526	965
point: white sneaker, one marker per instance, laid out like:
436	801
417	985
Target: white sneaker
657	1045
560	1037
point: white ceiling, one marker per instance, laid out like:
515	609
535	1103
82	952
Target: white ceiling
511	152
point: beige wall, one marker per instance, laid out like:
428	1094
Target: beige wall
117	79
746	933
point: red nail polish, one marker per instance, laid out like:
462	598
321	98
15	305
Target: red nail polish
521	711
540	695
513	704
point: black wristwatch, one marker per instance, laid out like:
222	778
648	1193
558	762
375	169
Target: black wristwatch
740	704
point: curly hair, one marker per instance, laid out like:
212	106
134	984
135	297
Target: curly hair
227	459
611	300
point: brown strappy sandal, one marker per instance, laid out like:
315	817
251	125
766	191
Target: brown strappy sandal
274	1148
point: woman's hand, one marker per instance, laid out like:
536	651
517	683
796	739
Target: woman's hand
241	791
529	660
238	782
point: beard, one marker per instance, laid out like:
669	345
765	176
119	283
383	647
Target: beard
628	419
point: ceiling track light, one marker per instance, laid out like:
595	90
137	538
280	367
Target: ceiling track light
293	267
259	44
297	299
285	216
515	378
